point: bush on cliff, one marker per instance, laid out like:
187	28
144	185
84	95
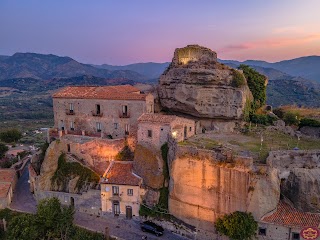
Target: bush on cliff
237	225
256	84
68	170
238	79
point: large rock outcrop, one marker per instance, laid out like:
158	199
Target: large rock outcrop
299	172
195	83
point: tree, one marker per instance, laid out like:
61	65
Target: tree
256	83
54	220
237	225
23	227
3	149
11	135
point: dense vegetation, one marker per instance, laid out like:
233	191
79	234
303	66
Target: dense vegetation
3	149
238	79
11	135
161	209
68	170
237	225
256	84
52	221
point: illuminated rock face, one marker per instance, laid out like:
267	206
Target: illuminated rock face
196	84
202	189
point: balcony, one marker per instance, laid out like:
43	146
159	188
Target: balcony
97	114
69	112
124	115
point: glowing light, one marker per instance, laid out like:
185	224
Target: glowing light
174	134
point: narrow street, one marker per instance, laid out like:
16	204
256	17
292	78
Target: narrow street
120	227
23	200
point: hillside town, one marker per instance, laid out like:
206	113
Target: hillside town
179	155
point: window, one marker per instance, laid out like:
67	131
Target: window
98	124
98	110
295	236
190	129
115	125
115	190
69	148
150	133
262	231
130	192
161	129
71	107
127	129
125	110
62	124
72	126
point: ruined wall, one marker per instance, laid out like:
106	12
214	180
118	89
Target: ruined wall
299	172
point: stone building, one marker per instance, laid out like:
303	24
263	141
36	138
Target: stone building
155	128
8	180
105	111
120	190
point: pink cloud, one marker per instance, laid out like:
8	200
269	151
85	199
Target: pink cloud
272	43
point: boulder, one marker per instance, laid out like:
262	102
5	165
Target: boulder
195	83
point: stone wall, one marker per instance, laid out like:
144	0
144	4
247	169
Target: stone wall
112	121
206	184
311	131
87	202
299	173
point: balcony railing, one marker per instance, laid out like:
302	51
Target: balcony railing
95	114
124	115
69	112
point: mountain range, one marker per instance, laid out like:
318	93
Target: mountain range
295	81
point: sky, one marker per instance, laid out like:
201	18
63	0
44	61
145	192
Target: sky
121	32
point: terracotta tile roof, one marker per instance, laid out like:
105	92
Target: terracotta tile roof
121	173
4	189
7	175
120	92
157	118
289	216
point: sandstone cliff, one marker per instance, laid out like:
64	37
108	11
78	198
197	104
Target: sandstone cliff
299	173
196	84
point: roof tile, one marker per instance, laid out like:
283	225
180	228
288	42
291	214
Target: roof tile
121	173
120	92
289	216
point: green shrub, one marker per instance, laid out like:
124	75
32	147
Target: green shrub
256	84
291	118
3	149
262	119
309	122
238	79
237	225
67	170
11	135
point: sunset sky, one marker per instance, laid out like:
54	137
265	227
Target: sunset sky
126	31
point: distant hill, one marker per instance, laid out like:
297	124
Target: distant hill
306	67
150	69
41	66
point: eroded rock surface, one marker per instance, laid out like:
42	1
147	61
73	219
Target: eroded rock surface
196	83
